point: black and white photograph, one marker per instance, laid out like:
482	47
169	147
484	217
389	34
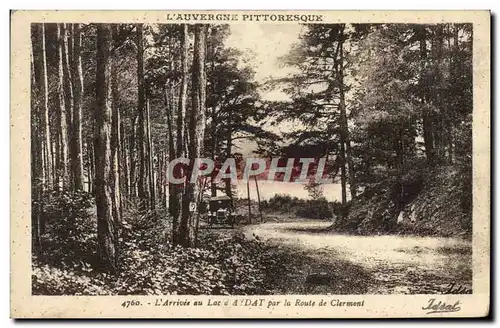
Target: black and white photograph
253	154
389	105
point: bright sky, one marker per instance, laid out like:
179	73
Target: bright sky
268	42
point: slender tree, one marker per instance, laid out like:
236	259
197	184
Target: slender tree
63	152
427	123
76	140
345	135
258	199
169	109
41	85
183	92
69	103
249	202
90	166
196	133
141	104
124	165
115	125
106	232
150	159
36	153
132	154
175	191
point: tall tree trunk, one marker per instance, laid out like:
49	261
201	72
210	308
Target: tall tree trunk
90	166
213	185
249	202
63	169
115	151
141	187
173	193
173	201
41	85
36	154
197	123
399	150
71	44
124	167
215	140
149	158
165	182
258	199
154	190
57	153
182	92
440	117
197	214
229	150
69	102
344	124
343	175
339	64
77	160
455	74
54	154
159	178
115	129
176	191
132	154
427	123
102	138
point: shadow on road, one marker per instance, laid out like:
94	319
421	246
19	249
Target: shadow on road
350	264
310	230
343	276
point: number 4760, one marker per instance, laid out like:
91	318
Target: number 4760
126	304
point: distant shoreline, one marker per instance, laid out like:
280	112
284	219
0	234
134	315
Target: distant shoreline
268	189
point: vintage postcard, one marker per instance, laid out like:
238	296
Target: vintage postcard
250	164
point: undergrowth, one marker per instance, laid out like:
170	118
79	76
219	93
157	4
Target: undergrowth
425	202
222	264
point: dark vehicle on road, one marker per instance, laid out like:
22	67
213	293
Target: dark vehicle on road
220	211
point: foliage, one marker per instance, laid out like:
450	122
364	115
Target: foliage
424	202
411	138
312	89
148	264
318	208
70	235
408	93
314	189
282	202
51	280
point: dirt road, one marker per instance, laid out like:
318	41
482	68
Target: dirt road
370	264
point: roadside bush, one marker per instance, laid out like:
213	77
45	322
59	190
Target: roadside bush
311	209
69	234
316	209
228	266
222	266
50	280
425	201
148	264
283	203
147	228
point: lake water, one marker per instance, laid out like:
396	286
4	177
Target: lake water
267	189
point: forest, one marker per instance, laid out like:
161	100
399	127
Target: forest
389	105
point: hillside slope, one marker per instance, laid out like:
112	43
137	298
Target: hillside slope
437	202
